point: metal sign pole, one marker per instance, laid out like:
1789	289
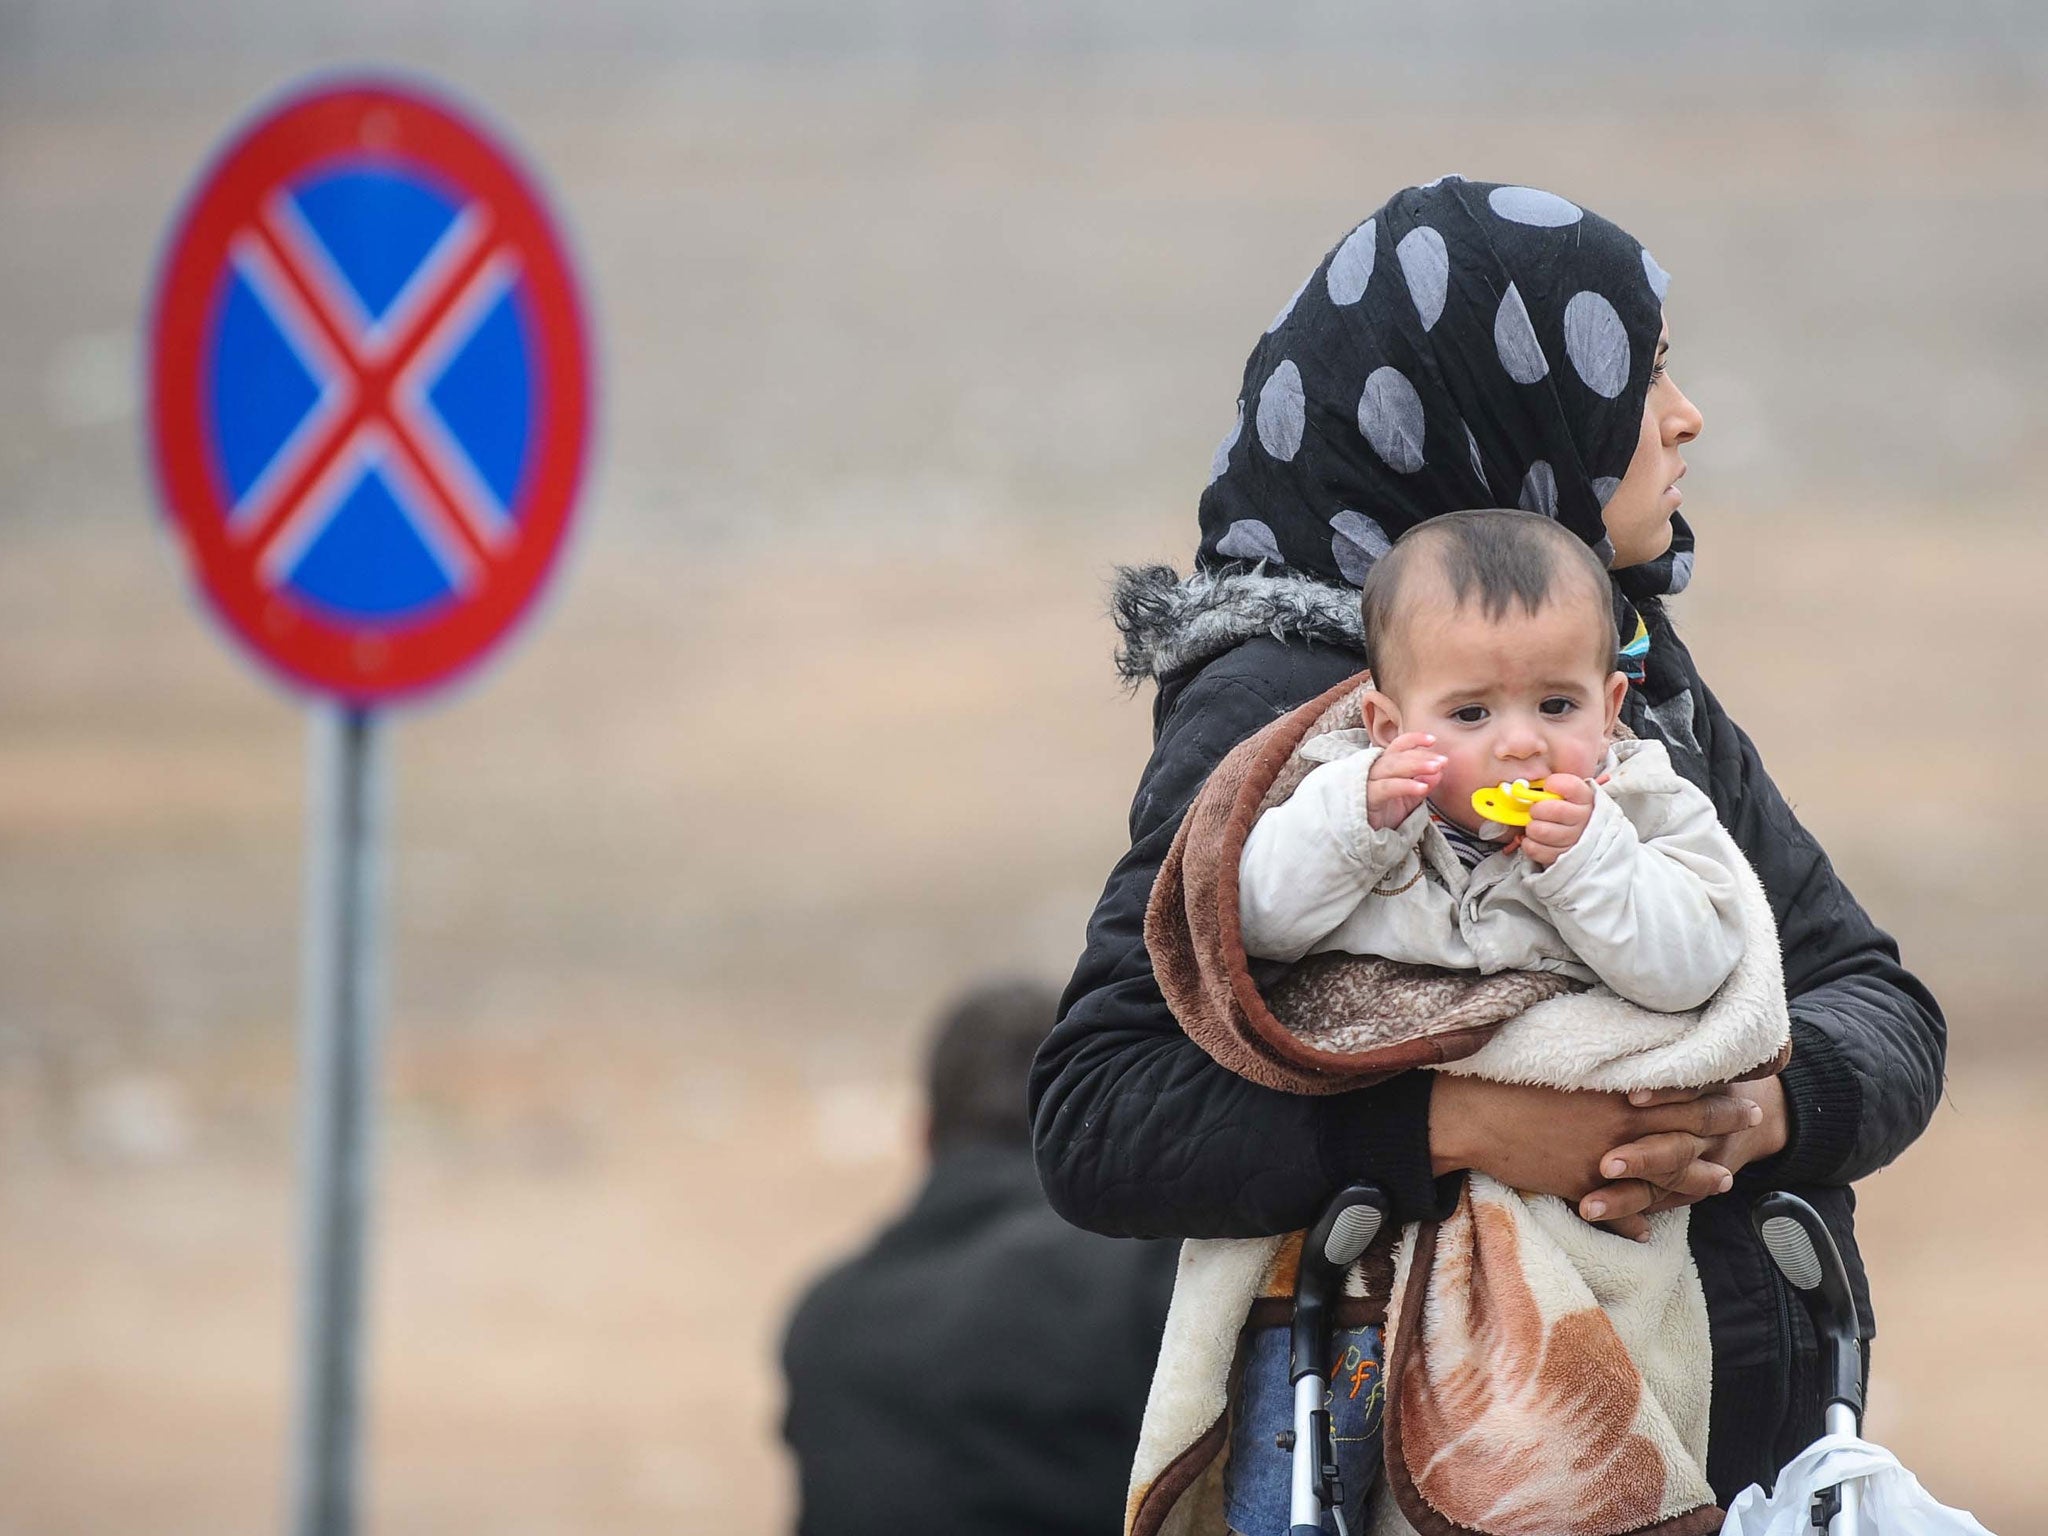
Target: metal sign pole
338	1087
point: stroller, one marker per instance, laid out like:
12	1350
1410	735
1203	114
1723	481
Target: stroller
1825	1490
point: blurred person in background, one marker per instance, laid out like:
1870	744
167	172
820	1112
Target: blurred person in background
981	1366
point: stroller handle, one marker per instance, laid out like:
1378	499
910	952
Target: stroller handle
1346	1228
1804	1251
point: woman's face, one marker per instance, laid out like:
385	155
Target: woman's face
1638	515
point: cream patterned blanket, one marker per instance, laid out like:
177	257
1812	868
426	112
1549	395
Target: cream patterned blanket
1544	1377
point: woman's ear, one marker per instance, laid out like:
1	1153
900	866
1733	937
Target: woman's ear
1382	718
1617	690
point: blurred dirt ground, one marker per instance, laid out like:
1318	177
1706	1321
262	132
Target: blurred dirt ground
820	724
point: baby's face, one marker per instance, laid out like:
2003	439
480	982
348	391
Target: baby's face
1519	697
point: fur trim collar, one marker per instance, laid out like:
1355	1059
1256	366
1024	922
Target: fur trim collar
1168	623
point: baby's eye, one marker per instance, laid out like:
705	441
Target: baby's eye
1471	714
1557	706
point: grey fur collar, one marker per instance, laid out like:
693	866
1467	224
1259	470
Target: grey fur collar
1169	623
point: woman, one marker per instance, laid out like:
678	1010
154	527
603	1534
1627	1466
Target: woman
1475	345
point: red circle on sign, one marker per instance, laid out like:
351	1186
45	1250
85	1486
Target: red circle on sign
233	215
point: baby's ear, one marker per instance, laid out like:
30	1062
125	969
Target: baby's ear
1617	690
1382	718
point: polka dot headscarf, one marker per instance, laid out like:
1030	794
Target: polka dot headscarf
1469	345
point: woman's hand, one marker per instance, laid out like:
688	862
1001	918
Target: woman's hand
1764	1136
1554	1142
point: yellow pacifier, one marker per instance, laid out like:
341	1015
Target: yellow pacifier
1508	804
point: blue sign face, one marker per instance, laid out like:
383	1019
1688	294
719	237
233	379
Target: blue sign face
370	385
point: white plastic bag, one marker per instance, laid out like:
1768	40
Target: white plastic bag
1894	1503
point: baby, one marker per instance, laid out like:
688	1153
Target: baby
1492	644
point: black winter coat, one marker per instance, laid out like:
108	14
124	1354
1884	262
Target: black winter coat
981	1367
1138	1132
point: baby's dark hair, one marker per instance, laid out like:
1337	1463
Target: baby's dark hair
1494	556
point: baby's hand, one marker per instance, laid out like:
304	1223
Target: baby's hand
1405	775
1555	825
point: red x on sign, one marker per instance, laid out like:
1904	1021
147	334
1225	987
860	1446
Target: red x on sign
370	398
375	409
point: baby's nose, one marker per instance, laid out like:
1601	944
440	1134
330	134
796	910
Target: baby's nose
1517	746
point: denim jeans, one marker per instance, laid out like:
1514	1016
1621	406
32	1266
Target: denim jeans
1257	1481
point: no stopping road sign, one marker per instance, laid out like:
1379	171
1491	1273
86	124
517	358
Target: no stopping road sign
370	392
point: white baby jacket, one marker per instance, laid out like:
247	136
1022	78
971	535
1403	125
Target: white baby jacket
1645	901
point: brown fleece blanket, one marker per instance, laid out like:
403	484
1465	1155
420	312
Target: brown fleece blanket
1544	1377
